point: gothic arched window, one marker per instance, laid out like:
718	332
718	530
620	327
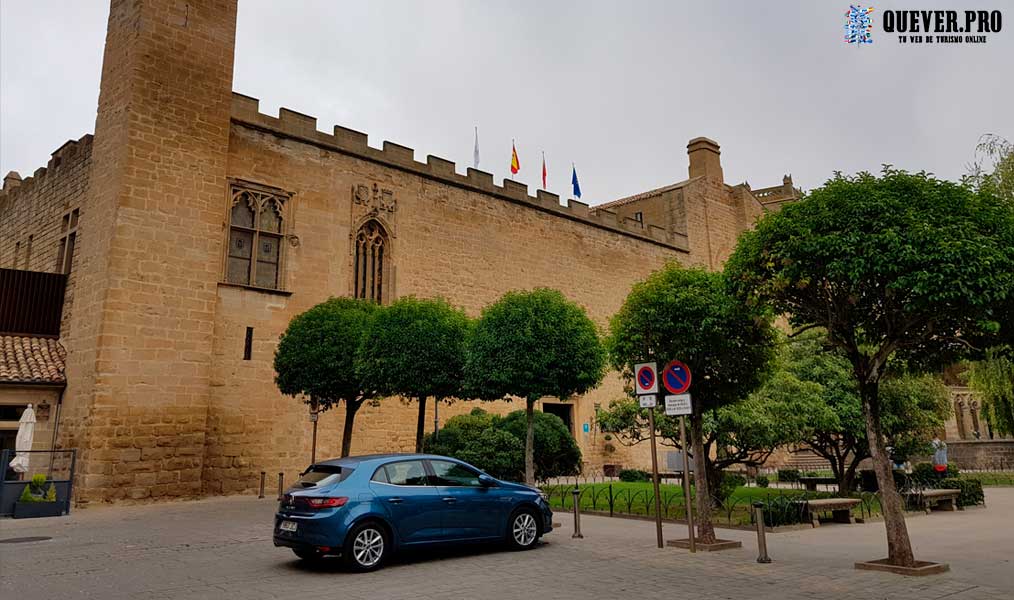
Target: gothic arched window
370	260
255	238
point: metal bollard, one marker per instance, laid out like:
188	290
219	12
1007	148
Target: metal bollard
260	492
281	486
762	544
577	512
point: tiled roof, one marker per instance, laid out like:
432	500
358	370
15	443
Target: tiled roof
642	195
29	359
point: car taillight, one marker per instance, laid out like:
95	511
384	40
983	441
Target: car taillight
326	502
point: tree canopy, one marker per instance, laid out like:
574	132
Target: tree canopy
416	348
687	314
530	345
814	395
902	266
316	357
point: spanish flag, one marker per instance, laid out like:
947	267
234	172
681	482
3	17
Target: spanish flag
515	165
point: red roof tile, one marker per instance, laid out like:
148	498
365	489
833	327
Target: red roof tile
28	359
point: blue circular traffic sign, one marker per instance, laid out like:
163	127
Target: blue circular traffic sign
646	378
676	377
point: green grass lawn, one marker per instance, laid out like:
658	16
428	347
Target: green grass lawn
991	478
637	498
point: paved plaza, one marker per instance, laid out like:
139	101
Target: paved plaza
221	548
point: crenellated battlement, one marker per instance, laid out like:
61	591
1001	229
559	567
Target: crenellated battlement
72	150
295	125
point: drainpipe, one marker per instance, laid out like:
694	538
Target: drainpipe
56	430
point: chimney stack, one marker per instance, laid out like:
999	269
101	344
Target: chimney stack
704	158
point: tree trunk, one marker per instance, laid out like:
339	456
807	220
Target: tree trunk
420	424
899	547
530	442
351	408
705	530
848	480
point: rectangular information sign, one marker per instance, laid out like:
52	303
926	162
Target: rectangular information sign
678	404
647	401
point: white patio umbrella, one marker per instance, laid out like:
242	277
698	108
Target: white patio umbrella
26	431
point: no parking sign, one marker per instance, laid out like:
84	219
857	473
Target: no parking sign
645	379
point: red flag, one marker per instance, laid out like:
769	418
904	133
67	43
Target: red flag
515	165
543	170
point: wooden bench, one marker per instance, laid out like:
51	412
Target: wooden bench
940	499
841	509
811	483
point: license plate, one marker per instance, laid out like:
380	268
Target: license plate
289	526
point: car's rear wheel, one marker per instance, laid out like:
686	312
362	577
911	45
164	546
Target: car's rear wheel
523	530
366	546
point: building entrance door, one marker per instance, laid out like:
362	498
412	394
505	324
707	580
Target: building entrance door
564	411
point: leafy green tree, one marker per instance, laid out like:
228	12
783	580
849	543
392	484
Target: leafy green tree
415	348
814	393
530	345
993	377
993	169
316	358
687	314
744	433
496	444
897	267
993	380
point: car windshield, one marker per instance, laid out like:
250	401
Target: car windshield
321	475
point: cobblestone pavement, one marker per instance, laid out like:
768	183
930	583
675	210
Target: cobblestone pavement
221	548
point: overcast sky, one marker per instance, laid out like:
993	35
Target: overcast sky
616	87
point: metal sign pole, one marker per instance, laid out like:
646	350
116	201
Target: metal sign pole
686	482
654	478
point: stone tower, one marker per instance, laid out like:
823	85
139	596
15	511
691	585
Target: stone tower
142	323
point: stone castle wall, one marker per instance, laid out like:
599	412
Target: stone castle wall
467	242
161	400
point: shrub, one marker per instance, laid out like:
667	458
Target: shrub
634	475
782	510
490	442
971	490
498	452
728	485
925	475
556	450
36	490
788	475
812	474
763	481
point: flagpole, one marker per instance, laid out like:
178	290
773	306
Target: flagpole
514	151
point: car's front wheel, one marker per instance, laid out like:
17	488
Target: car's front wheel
523	530
366	547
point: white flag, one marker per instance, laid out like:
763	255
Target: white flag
475	153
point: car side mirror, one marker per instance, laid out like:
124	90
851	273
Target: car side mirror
486	480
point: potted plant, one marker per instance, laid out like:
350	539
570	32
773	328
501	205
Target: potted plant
38	501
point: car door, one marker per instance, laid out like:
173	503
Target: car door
471	510
413	504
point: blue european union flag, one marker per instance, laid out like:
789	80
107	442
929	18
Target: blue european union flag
573	181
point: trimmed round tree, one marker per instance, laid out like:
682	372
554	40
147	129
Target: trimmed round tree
530	345
316	358
902	265
415	348
688	315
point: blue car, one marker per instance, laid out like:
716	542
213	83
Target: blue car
366	507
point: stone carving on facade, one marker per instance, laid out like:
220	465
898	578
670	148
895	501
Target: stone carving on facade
376	200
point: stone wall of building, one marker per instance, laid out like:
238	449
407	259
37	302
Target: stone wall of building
981	454
457	237
162	398
39	213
